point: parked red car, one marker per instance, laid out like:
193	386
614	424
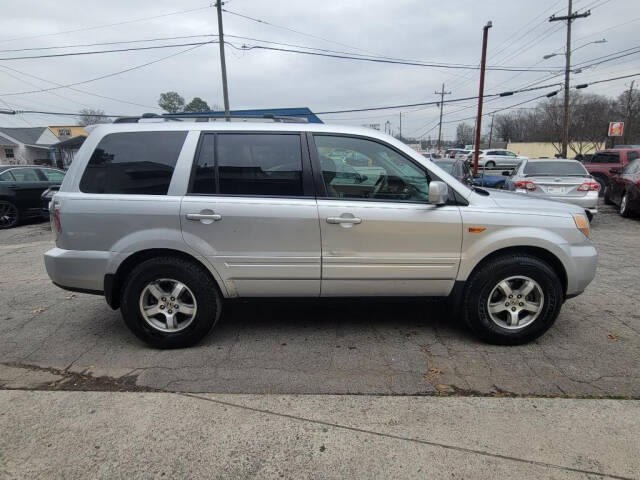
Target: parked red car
624	188
600	164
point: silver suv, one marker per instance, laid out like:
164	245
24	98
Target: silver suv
168	220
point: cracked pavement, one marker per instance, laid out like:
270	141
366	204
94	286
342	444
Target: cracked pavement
337	347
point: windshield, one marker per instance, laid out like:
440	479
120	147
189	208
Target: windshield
554	168
446	166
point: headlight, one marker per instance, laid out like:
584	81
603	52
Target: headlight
582	223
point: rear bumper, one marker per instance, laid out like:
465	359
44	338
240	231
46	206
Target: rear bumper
77	270
588	202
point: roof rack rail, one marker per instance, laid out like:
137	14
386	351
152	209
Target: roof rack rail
209	117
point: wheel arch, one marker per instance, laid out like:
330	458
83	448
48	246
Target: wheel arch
113	282
538	252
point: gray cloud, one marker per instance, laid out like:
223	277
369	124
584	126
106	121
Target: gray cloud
422	30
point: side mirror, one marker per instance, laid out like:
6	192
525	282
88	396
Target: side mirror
438	193
615	171
506	173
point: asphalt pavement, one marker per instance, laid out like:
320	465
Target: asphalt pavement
356	347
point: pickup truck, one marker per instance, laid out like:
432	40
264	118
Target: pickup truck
604	160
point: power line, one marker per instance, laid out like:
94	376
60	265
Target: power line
113	74
95	52
265	22
119	100
119	42
380	60
502	94
126	22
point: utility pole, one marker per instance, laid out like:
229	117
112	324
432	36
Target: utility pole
483	62
400	126
491	130
442	93
567	70
628	113
223	63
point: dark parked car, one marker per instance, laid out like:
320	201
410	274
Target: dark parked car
600	165
21	187
46	198
624	188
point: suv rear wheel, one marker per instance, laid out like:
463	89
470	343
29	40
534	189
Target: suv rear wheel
512	300
170	303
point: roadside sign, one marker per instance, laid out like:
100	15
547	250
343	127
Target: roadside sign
616	129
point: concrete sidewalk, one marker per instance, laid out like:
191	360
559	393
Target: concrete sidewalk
56	434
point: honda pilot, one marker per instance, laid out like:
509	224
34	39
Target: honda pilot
169	220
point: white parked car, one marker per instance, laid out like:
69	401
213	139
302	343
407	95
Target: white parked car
497	158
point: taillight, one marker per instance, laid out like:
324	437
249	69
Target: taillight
525	185
589	187
54	213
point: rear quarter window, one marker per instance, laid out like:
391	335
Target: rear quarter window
133	163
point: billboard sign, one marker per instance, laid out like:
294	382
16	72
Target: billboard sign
616	129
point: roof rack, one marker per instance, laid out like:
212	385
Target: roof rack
210	117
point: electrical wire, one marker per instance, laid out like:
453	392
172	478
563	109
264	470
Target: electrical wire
101	77
95	52
126	22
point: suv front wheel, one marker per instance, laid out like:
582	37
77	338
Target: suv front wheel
512	300
169	302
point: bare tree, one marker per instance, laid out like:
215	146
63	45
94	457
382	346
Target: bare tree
464	134
88	116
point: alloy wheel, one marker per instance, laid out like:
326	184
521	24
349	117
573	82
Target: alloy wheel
8	214
168	305
623	204
515	302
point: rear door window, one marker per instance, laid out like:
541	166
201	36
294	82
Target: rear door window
7	176
606	157
52	175
249	164
139	163
25	175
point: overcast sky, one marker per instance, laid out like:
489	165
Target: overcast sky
428	31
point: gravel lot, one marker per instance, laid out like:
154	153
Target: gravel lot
75	341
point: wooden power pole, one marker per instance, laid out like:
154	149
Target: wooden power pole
442	93
223	63
567	70
483	62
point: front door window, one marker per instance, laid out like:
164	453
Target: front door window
355	168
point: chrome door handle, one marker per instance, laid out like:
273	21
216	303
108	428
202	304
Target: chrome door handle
204	216
337	220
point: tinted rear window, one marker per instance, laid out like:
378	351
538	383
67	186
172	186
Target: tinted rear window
554	168
606	157
249	164
133	163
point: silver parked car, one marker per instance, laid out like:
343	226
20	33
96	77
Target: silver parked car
497	158
557	179
168	220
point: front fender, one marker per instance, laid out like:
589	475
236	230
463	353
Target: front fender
477	246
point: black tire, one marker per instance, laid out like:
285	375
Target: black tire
604	184
624	206
9	214
607	198
195	277
589	215
482	282
490	164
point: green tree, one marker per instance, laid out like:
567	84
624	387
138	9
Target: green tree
171	102
197	105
